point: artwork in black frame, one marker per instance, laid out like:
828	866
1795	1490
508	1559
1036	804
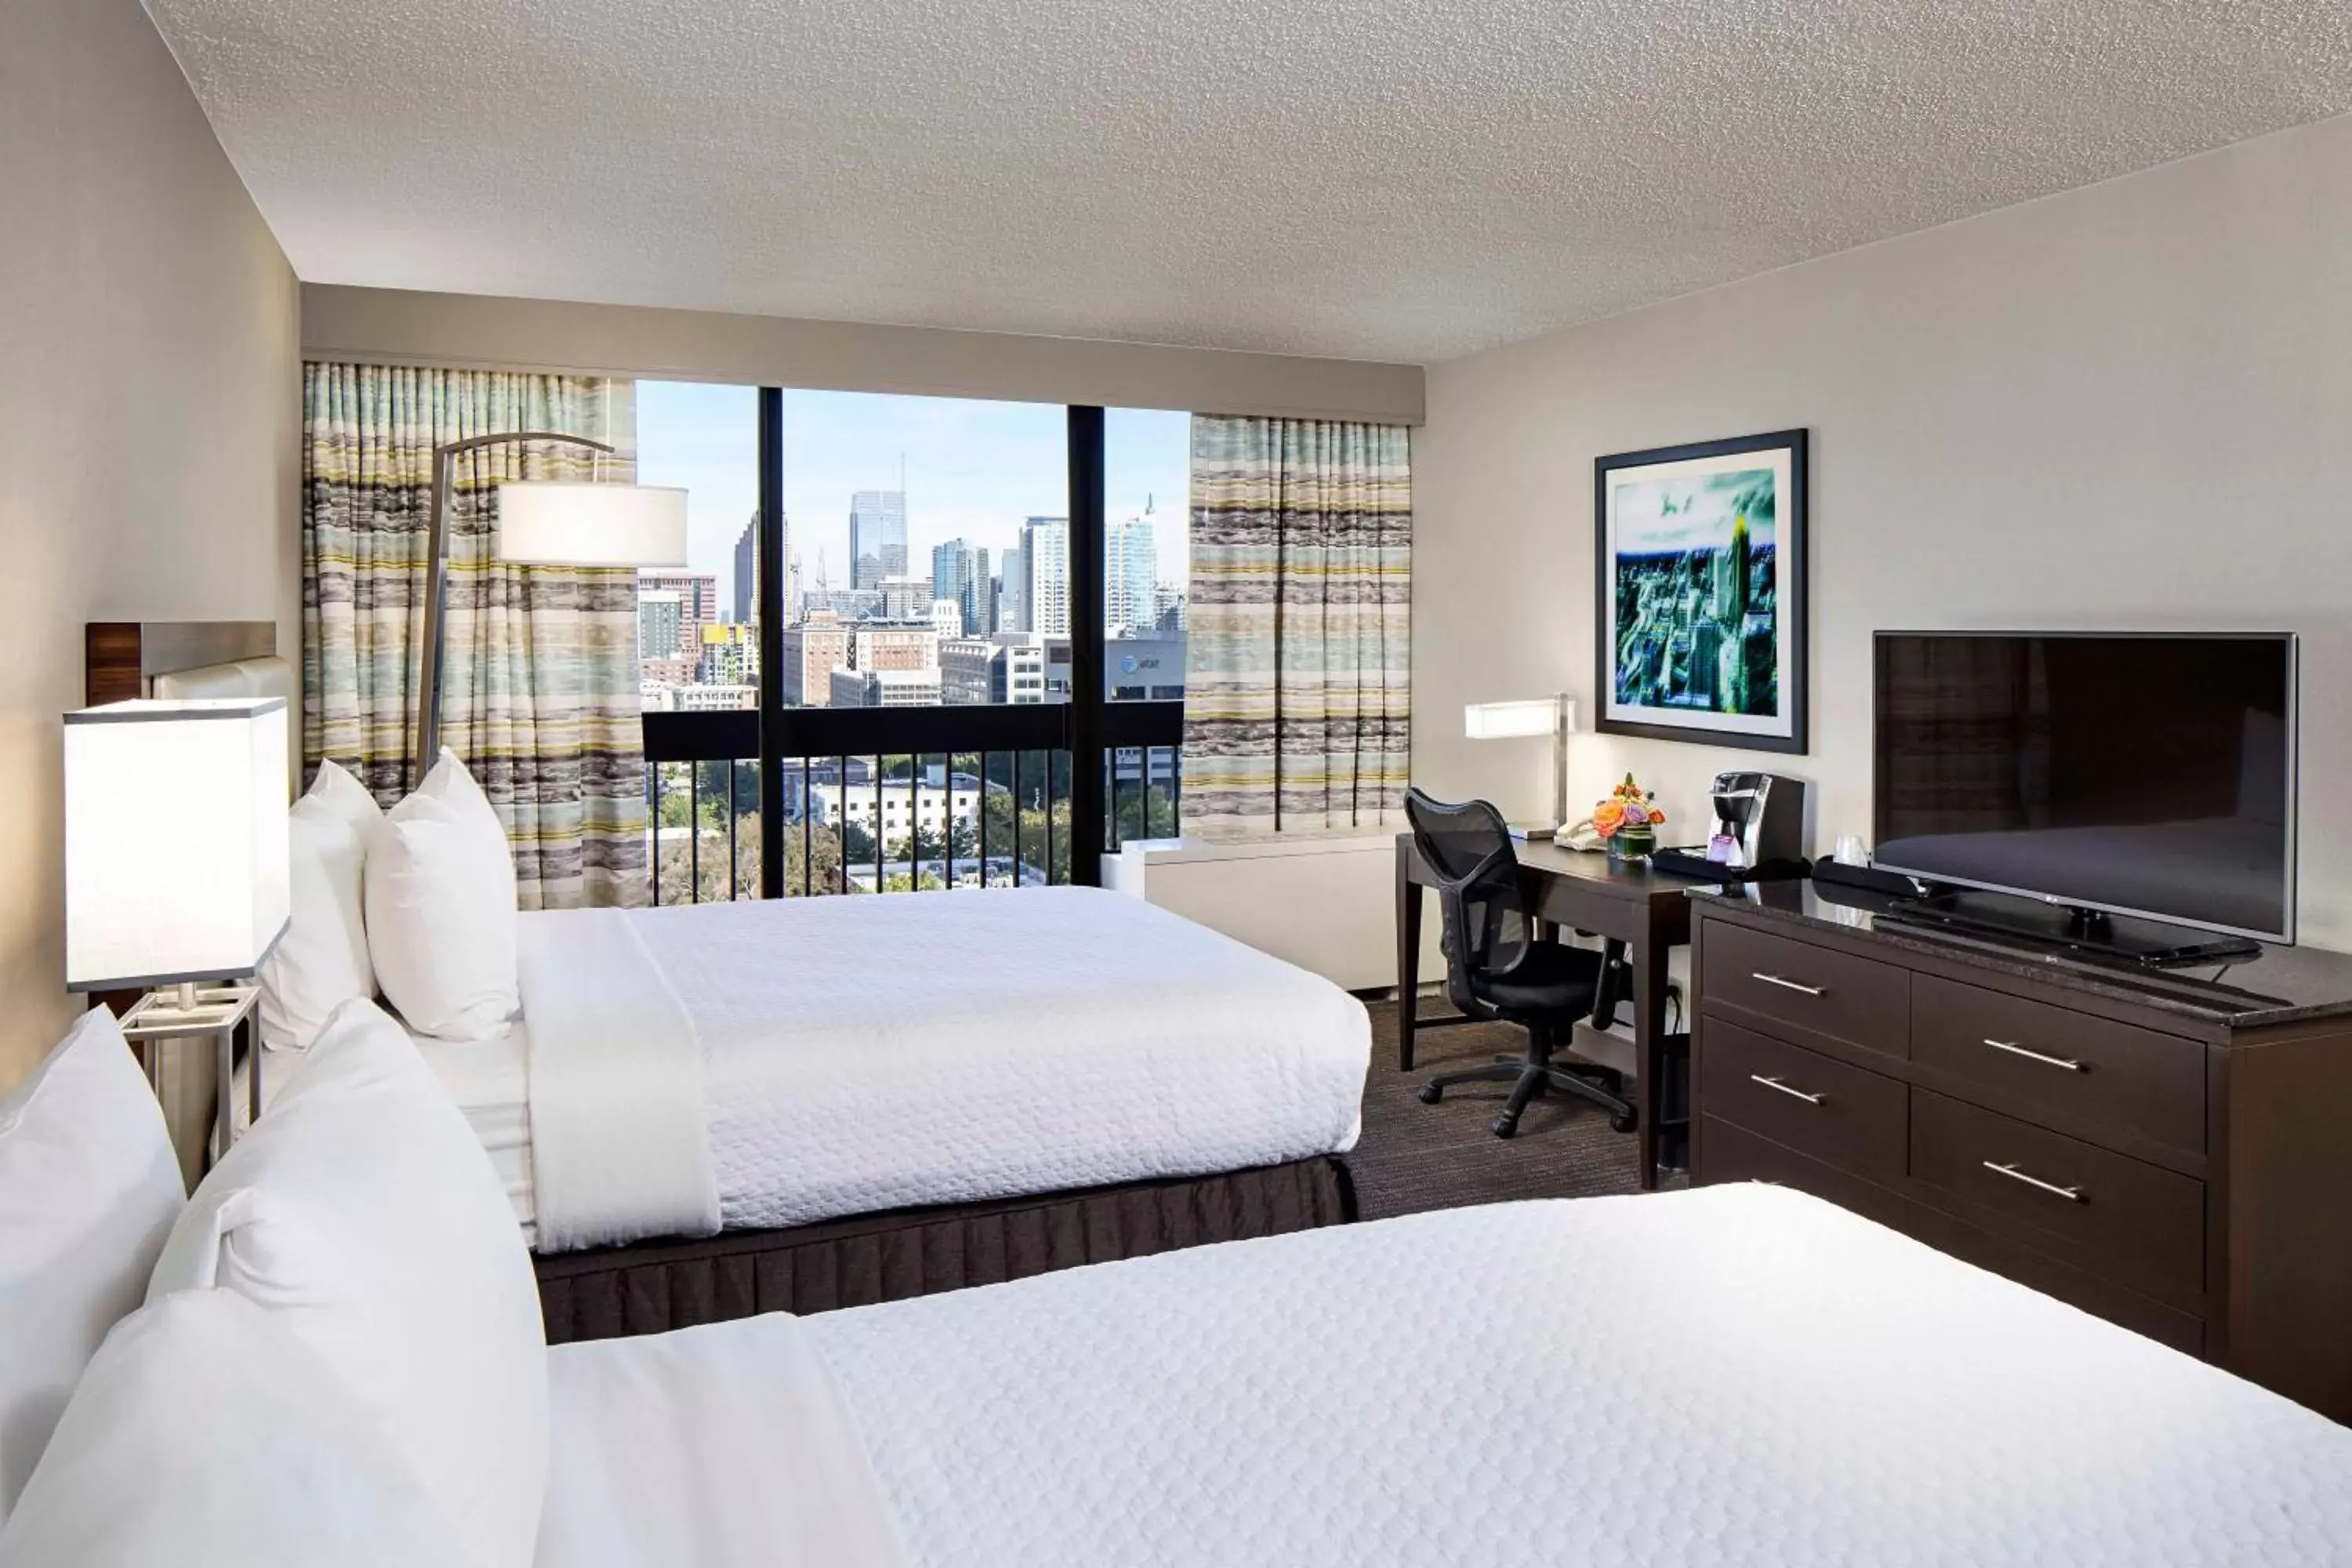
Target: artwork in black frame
1699	591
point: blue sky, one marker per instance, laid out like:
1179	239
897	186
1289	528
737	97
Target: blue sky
973	469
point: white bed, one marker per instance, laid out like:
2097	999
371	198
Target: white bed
751	1066
1729	1376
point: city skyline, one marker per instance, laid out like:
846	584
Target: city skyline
973	470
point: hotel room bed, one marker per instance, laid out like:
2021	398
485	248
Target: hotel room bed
718	1110
1728	1377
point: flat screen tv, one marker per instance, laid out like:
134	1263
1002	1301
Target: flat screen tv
2132	774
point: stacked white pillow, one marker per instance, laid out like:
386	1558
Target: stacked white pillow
201	1437
88	1188
363	1215
440	898
322	960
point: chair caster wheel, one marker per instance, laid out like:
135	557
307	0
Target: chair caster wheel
1430	1094
1625	1123
1504	1126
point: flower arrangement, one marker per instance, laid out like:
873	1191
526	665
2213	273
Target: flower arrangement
1628	819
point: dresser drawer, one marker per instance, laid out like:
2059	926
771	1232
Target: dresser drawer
1843	1115
1808	989
2124	1219
2082	1073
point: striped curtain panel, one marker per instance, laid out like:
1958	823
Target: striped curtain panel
539	679
1297	693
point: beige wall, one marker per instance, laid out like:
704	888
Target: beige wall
2128	405
394	326
149	390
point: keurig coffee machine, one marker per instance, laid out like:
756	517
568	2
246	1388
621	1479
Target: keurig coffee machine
1760	831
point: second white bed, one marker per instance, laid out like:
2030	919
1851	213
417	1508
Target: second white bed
1729	1376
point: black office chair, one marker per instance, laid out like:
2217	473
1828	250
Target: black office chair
1496	968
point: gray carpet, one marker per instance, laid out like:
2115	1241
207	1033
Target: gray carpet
1414	1156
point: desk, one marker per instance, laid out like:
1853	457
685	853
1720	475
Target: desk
1625	902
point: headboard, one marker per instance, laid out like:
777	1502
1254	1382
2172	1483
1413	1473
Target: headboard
126	659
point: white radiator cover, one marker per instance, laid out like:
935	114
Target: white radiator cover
1325	903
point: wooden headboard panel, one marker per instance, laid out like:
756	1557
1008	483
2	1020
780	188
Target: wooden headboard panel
120	658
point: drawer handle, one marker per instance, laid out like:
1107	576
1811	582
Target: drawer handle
2071	1194
1785	1088
2013	1049
1786	985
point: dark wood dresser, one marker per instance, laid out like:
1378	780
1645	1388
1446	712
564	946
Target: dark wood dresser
2172	1151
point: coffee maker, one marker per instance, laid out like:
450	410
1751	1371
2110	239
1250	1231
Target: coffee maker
1760	830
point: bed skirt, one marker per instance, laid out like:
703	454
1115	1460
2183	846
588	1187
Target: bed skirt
651	1287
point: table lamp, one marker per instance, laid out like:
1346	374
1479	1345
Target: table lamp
1553	716
542	522
176	863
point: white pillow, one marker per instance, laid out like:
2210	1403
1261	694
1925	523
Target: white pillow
440	891
203	1437
362	1211
321	962
88	1188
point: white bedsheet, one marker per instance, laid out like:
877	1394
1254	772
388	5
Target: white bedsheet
1729	1376
864	1054
620	1149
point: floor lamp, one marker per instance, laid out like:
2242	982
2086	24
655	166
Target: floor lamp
542	522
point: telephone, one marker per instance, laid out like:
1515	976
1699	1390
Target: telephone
1581	836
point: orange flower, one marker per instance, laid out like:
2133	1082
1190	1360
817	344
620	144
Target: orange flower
1608	818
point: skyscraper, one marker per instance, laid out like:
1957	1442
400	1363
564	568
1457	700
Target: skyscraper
878	537
1131	571
960	575
1045	560
658	619
746	569
696	595
1012	591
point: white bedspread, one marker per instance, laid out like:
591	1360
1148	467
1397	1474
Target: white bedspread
865	1053
618	1145
1729	1376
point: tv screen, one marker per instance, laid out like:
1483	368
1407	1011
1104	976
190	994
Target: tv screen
2146	775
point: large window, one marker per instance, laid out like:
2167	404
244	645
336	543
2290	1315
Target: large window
916	701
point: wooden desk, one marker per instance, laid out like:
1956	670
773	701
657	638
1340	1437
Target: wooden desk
1647	912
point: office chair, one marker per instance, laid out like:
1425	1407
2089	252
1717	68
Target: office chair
1498	970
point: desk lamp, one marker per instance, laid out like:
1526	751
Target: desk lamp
1553	716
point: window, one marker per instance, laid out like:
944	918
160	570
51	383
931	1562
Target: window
1147	517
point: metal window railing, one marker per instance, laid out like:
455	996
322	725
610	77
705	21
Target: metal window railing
895	799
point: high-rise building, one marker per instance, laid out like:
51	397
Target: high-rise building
1130	572
1012	591
794	608
1045	560
1166	608
661	612
882	647
812	651
878	537
993	669
730	653
960	575
698	606
747	570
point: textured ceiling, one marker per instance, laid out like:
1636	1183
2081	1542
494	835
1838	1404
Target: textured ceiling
1378	179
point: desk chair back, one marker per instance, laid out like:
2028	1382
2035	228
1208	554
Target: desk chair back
1468	848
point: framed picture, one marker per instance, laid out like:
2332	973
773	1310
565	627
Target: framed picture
1700	592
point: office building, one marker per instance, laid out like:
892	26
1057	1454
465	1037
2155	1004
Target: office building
883	646
1144	669
905	598
1131	573
1012	591
747	570
730	653
878	537
660	613
812	651
1046	563
1003	669
1166	608
959	574
918	687
698	606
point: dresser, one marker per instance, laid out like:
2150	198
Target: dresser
2169	1150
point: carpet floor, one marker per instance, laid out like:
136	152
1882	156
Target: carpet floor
1414	1156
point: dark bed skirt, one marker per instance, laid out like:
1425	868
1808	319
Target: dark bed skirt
651	1287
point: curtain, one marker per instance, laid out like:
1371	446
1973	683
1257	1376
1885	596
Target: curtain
540	674
1298	665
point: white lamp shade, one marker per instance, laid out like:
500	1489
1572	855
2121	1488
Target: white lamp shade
550	522
176	840
1506	721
